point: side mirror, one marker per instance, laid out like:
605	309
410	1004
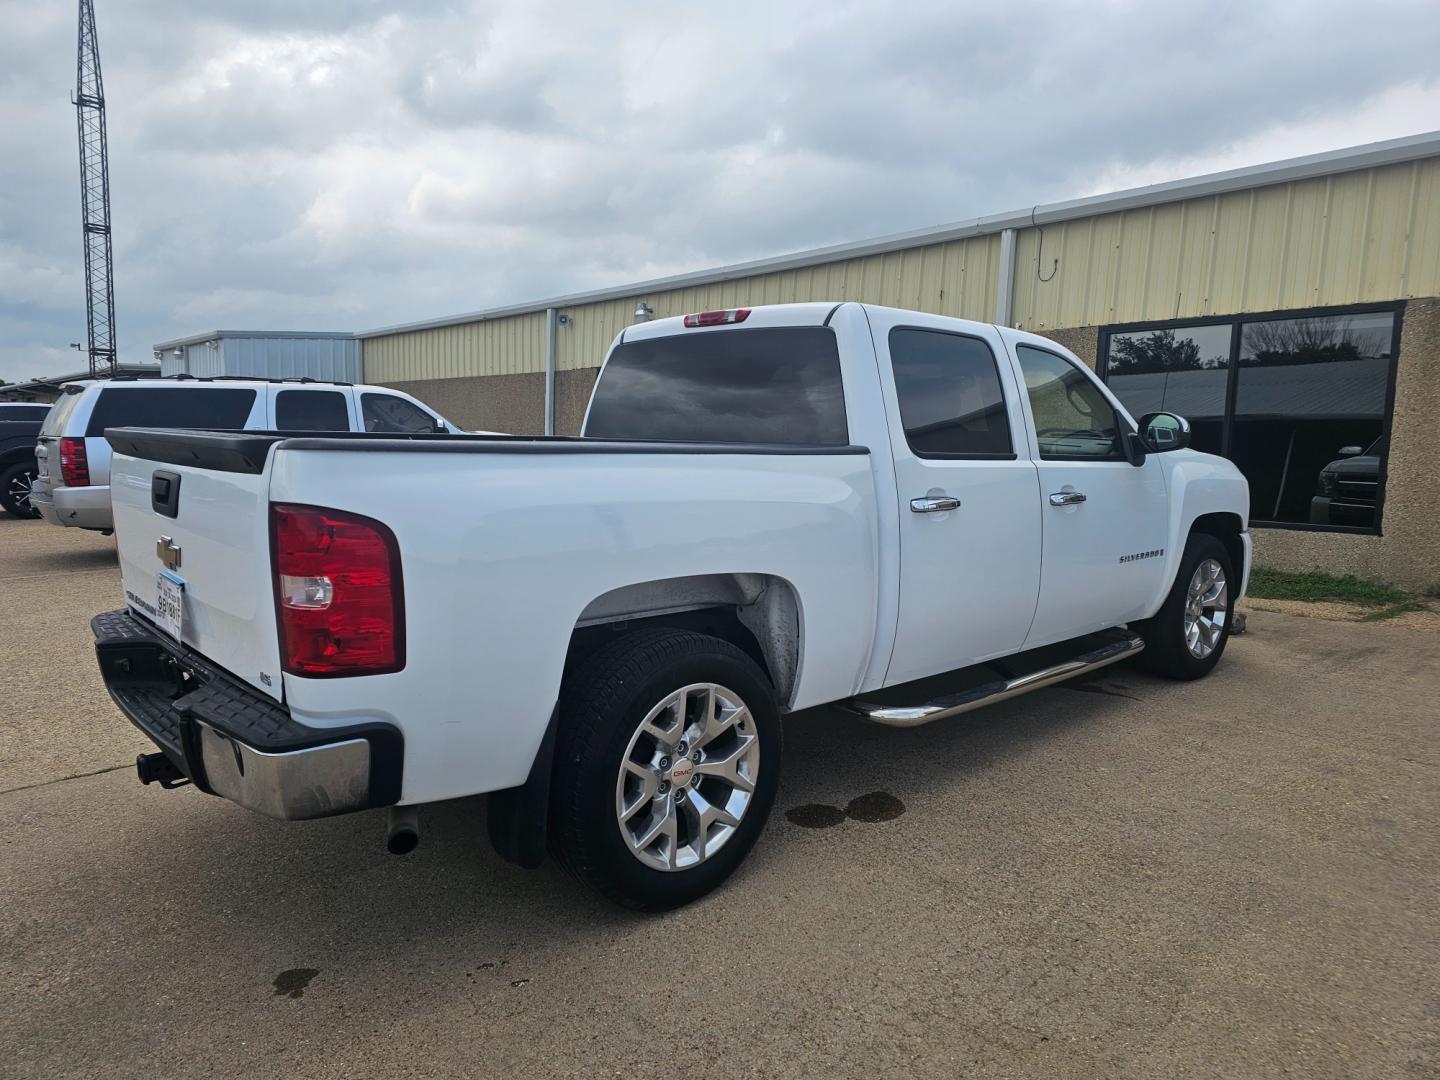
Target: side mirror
1162	431
1351	451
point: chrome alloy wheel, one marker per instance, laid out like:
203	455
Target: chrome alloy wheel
1206	604
21	485
687	777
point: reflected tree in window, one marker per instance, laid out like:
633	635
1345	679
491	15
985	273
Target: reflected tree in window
1159	350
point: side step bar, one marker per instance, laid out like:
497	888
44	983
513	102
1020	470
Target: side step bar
980	696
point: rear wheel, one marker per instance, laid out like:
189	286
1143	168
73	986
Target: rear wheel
667	763
16	483
1187	636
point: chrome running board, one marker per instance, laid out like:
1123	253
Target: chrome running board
980	696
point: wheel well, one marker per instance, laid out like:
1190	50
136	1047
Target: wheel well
1227	529
757	613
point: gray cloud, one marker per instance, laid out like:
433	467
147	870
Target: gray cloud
355	164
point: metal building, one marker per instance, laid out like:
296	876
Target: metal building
1292	308
266	354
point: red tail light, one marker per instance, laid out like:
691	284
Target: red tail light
338	595
74	465
717	318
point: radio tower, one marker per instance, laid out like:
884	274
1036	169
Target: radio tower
89	100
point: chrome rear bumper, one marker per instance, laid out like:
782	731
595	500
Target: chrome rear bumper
230	740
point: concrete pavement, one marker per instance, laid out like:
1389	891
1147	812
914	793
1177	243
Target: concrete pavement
1236	877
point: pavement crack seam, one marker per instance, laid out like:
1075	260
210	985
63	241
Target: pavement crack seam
62	779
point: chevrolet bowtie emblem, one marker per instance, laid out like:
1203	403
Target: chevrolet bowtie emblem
168	552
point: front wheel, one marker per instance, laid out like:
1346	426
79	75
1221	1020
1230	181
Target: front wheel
16	483
666	767
1187	636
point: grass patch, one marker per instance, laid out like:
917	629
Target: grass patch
1313	586
1390	612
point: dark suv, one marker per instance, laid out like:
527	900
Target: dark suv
19	428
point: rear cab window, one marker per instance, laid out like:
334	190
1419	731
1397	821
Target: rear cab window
775	385
204	407
951	402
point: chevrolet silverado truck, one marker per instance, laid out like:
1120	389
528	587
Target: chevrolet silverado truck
903	515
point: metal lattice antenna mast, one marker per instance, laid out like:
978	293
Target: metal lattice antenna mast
89	100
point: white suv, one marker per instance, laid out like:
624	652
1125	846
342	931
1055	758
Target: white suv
73	485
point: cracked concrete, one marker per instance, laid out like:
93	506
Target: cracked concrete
1236	877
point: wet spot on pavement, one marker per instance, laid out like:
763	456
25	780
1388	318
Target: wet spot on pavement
292	983
815	816
876	806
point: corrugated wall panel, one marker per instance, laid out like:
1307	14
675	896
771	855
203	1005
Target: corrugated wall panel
327	359
1373	234
1368	235
956	278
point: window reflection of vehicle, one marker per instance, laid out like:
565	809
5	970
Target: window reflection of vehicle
1346	491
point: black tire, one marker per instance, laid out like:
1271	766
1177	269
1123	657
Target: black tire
11	499
602	705
1166	652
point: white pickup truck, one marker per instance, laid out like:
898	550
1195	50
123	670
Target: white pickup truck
770	509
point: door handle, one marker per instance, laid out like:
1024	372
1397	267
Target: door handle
934	504
1066	498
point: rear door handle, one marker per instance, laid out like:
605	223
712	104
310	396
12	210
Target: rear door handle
934	504
1066	498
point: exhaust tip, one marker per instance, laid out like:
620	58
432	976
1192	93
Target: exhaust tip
402	834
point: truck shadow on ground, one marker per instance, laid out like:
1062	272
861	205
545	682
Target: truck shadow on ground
314	896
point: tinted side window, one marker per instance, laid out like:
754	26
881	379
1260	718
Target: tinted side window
775	385
1073	419
311	410
394	415
29	413
950	398
170	407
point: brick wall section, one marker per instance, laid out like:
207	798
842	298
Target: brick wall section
1083	341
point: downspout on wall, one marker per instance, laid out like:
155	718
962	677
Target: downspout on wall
1005	283
550	326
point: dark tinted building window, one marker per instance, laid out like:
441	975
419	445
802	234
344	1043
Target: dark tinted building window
777	385
950	398
170	407
1299	404
1182	369
394	415
1309	411
311	410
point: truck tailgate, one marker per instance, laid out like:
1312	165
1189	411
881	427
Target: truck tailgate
199	534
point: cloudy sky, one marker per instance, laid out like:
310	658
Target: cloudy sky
345	164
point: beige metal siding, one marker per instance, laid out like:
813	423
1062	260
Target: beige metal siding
954	278
1373	234
496	347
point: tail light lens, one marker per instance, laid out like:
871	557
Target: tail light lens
717	318
74	465
338	595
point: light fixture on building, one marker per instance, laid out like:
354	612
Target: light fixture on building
644	312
